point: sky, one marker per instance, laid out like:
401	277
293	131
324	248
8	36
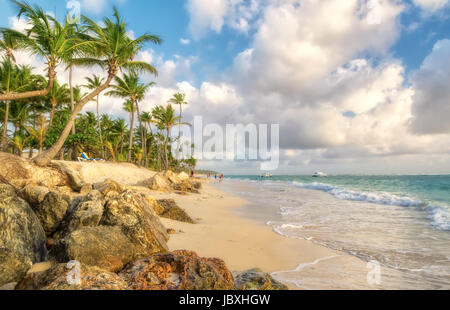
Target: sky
357	87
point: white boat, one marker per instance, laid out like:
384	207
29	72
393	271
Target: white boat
319	175
266	175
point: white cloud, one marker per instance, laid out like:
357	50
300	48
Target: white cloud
431	5
213	15
185	41
432	93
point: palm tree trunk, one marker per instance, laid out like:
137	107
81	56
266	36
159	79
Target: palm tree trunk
35	93
141	128
100	128
130	147
166	143
52	113
45	158
5	128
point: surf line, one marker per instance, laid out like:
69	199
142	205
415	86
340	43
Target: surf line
300	268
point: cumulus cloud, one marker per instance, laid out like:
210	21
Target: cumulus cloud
432	93
213	15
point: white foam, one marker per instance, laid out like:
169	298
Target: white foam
380	197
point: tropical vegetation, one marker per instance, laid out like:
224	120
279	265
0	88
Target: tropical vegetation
43	118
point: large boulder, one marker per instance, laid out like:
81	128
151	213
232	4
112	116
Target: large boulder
256	279
135	216
52	211
65	277
168	208
179	270
22	238
20	172
74	178
87	213
159	183
104	247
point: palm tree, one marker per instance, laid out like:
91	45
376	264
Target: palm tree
59	94
119	129
94	83
111	48
147	119
129	87
45	37
39	133
13	78
8	44
179	99
166	120
19	143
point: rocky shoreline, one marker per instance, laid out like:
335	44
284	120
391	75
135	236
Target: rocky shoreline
60	233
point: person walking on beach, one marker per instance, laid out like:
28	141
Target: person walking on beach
221	177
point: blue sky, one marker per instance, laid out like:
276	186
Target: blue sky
345	92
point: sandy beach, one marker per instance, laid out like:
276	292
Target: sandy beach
243	243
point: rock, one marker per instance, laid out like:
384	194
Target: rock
196	184
86	189
73	176
6	191
64	277
183	176
52	211
8	287
159	183
135	216
49	243
256	279
34	195
108	186
171	231
87	214
179	270
22	239
185	186
172	177
168	208
104	247
20	172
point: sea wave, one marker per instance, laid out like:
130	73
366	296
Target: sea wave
439	215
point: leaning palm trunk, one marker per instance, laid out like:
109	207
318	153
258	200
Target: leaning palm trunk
45	158
5	128
35	93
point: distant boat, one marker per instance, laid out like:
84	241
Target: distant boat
319	175
266	175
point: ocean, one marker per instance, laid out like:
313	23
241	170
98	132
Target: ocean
400	222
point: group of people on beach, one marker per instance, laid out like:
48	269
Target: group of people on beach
216	176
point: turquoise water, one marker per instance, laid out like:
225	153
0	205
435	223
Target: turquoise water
423	191
402	222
